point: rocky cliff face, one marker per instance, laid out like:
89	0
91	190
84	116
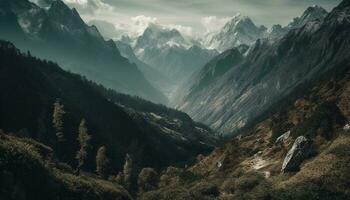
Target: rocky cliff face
270	71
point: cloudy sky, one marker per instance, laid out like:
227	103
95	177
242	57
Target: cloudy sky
191	16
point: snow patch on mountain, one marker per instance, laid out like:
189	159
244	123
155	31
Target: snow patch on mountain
239	30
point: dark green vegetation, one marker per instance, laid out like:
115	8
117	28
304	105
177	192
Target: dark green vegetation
140	104
30	87
29	170
59	34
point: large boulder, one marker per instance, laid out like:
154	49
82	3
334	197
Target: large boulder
300	150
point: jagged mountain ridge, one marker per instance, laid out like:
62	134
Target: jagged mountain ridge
170	53
239	30
242	30
310	14
77	47
156	36
250	87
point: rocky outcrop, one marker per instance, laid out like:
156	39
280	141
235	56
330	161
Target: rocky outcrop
297	154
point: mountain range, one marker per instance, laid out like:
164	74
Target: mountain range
168	52
242	30
266	118
268	72
58	33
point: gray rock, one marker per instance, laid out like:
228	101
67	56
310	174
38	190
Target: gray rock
281	139
347	127
297	154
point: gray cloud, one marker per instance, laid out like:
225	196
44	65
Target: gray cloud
190	13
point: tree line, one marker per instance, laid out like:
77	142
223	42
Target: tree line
103	163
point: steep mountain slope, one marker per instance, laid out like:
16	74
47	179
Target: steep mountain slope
157	136
239	30
170	53
270	71
251	166
58	33
211	72
108	30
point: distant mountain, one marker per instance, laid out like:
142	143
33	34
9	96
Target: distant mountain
310	14
157	136
170	53
58	33
242	30
156	36
239	30
269	71
157	78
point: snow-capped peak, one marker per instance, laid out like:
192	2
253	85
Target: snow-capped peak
239	30
157	36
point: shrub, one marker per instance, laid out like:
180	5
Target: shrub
205	189
147	179
248	181
305	192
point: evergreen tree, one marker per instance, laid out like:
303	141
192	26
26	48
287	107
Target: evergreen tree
83	139
127	171
57	119
102	163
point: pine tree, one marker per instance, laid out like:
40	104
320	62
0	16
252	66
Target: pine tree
127	171
102	163
57	119
83	139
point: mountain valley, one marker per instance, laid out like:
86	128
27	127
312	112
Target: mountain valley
102	100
